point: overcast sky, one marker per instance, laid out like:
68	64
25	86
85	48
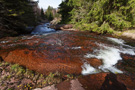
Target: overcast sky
45	3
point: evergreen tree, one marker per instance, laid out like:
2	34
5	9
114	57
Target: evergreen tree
49	13
21	13
42	13
64	9
15	15
102	16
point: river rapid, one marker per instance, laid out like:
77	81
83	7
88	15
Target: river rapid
66	50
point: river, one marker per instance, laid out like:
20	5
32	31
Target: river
47	50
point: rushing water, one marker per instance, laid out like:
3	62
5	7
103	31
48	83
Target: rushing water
42	29
110	55
106	49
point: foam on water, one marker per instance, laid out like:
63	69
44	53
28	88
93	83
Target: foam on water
76	47
109	56
118	41
87	69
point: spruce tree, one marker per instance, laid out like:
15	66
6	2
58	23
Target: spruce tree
102	16
42	13
49	13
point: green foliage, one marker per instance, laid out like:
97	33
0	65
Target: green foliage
18	69
65	9
102	16
42	13
49	13
53	78
17	14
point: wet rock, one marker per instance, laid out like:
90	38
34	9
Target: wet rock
128	64
93	82
127	80
111	83
64	52
51	53
94	62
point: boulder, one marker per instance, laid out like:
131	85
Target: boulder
62	27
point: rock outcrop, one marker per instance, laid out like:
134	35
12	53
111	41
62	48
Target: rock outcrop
65	51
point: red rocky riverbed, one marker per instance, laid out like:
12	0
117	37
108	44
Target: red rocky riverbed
77	53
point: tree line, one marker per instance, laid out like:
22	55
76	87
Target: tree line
15	16
102	16
50	13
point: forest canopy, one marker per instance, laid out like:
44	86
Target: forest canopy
15	16
102	16
17	12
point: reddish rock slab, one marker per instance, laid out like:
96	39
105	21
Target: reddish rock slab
93	82
101	81
128	65
43	63
63	52
111	83
94	62
127	80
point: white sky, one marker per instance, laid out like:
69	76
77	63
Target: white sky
45	3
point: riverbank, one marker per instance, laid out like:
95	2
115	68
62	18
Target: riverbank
69	27
128	33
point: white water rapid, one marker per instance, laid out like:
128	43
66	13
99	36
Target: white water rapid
109	56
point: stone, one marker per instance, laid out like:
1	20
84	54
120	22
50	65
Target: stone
111	83
76	85
94	62
93	82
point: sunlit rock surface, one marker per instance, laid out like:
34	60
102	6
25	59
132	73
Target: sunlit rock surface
70	52
66	51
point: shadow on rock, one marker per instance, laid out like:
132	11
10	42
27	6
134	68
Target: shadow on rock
111	83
